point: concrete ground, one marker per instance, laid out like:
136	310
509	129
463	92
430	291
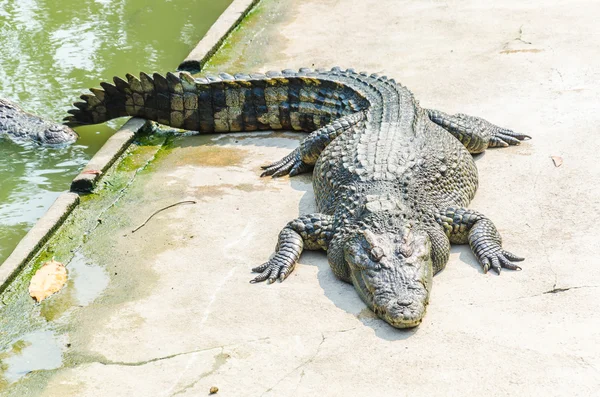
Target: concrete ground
175	314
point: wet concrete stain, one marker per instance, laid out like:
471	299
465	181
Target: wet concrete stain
89	279
210	156
219	190
220	360
38	350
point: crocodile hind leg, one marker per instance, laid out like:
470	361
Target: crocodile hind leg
312	232
304	157
475	133
463	225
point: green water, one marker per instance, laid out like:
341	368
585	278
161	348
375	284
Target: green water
50	52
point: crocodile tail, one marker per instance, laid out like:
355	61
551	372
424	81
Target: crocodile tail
292	100
141	97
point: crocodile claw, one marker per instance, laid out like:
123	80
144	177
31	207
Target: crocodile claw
502	137
291	164
278	267
499	259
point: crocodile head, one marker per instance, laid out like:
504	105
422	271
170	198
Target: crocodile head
390	264
22	127
48	133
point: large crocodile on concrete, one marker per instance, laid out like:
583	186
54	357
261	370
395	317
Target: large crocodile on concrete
21	127
392	180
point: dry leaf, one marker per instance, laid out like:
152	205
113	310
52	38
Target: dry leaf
557	160
49	278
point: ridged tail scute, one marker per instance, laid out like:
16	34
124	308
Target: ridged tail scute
301	100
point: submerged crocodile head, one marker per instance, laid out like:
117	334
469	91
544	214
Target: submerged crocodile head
21	126
54	134
391	268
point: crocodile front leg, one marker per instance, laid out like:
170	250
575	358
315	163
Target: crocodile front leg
475	133
312	232
463	225
303	158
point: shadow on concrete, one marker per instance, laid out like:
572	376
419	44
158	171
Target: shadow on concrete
343	296
466	256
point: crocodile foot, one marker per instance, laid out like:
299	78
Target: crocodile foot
278	267
497	258
291	164
502	137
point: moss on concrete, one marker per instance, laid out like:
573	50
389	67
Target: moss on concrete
99	229
238	54
19	314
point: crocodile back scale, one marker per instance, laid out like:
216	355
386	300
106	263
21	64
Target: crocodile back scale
392	180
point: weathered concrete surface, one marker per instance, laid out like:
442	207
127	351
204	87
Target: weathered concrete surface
37	236
179	315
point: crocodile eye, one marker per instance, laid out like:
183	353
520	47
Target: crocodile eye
406	250
377	254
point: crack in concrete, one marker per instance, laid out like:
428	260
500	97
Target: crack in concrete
103	361
543	230
304	363
520	38
557	290
153	360
220	360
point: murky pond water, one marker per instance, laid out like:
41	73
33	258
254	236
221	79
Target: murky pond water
50	52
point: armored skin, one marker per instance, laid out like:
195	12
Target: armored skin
392	180
21	127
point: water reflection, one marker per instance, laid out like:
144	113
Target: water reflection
51	51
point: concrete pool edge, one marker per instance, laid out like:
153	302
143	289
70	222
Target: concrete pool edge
87	179
35	239
216	35
32	243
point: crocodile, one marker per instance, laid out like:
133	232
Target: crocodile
22	127
392	180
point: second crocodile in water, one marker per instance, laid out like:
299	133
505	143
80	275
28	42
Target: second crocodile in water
392	180
23	127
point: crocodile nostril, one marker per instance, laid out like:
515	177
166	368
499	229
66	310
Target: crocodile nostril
403	302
